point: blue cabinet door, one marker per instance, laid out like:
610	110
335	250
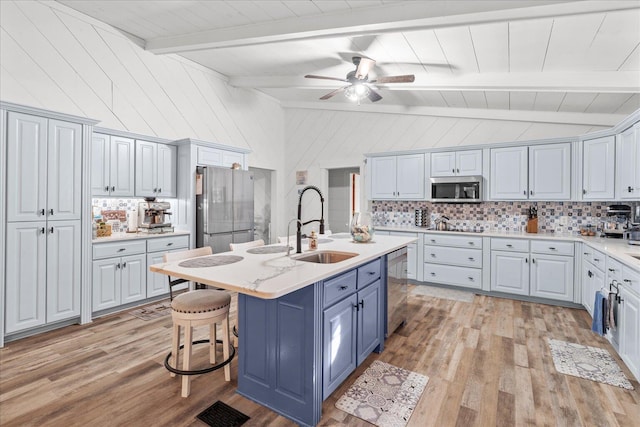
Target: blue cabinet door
369	320
339	343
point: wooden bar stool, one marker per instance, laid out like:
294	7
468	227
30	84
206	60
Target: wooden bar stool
197	308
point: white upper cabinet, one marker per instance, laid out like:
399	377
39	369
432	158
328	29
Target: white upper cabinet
598	168
509	173
209	156
155	169
628	163
44	174
550	172
539	172
112	166
397	177
456	163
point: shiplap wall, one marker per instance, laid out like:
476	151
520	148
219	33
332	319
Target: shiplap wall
319	140
55	58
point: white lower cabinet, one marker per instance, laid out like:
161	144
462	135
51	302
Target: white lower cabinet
629	324
544	271
157	283
42	274
453	260
118	281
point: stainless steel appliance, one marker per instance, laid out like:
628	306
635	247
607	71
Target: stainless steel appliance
152	217
617	221
224	207
467	189
396	290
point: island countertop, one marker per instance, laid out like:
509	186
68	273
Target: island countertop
270	276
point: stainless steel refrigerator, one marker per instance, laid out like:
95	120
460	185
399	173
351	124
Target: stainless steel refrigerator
224	207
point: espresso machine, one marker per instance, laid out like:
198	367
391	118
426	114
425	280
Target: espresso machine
617	221
152	217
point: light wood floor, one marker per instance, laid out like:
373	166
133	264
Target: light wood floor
487	361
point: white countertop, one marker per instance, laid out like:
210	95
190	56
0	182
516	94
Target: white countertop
270	276
117	237
617	248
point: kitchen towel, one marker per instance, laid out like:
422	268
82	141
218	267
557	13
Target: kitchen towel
599	312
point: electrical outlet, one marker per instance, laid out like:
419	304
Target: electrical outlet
564	221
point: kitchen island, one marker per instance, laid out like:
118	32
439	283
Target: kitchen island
303	327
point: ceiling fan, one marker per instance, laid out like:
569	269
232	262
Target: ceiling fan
359	85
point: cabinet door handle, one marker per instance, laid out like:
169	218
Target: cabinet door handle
124	264
159	190
355	306
113	188
106	188
343	288
41	211
533	260
117	266
51	230
584	191
458	170
51	212
524	192
531	192
361	304
630	189
626	280
589	273
526	261
585	253
453	171
42	230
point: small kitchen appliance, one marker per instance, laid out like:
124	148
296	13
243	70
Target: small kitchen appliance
617	221
152	217
457	189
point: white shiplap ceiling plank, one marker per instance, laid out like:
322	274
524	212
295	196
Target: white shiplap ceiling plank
275	9
522	100
475	99
426	46
615	40
566	50
250	11
302	8
497	100
548	101
630	105
454	98
327	6
528	44
458	48
491	43
607	102
632	62
221	14
576	101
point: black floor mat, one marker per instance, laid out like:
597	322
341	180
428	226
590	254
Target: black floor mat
222	415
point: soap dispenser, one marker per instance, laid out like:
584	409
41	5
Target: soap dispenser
313	241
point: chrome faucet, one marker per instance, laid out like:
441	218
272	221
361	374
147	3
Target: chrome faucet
300	223
289	234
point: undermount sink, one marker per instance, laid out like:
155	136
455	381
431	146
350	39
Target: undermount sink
325	257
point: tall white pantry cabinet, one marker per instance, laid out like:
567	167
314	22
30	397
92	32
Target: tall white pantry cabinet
43	226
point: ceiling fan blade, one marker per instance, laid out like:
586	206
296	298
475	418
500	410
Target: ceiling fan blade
311	76
332	93
364	67
373	95
408	78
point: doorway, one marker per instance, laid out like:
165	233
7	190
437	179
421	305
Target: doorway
262	203
343	198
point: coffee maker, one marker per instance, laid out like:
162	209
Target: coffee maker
152	217
617	221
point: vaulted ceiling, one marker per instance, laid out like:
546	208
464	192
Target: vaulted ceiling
561	61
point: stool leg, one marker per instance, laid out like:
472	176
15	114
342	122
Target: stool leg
225	347
186	364
212	343
175	346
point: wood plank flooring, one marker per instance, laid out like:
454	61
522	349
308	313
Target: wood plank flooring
488	364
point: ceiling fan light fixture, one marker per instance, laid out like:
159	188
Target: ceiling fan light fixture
356	92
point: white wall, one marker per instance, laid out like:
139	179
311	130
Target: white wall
317	140
55	58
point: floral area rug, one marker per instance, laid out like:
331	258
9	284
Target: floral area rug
384	395
592	363
150	312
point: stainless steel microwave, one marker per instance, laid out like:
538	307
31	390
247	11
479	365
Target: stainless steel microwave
457	189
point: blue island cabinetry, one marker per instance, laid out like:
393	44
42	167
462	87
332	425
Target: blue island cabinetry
294	351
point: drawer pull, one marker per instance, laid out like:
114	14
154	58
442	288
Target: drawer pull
371	273
343	287
433	255
122	249
471	278
433	240
585	253
552	248
612	270
471	243
170	244
433	274
509	245
596	259
626	280
471	258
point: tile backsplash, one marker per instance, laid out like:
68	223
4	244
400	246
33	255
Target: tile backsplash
564	217
113	204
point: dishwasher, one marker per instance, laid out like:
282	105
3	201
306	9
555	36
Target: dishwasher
396	290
